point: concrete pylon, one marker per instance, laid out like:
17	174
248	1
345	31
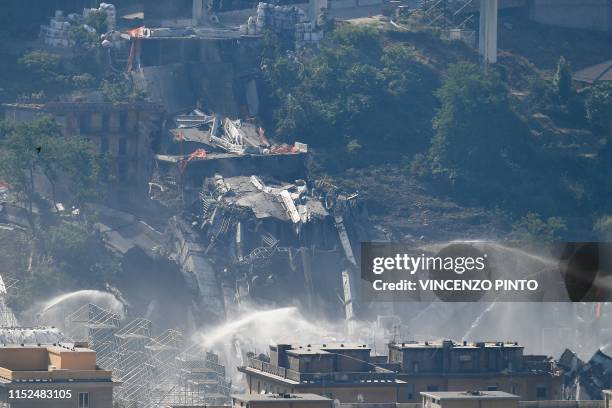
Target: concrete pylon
314	9
197	11
487	40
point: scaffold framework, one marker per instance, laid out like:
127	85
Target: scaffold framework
449	14
155	371
7	317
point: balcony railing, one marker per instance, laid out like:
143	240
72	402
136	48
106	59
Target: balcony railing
375	377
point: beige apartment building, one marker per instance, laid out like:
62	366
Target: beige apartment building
489	366
348	373
337	371
56	376
470	399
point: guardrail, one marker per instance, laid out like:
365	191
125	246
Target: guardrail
369	377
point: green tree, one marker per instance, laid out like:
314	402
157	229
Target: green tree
602	227
118	88
45	66
44	278
68	254
533	229
76	248
598	104
22	157
351	92
97	20
38	148
476	130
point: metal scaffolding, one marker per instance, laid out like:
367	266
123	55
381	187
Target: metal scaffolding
97	326
134	365
196	379
448	14
7	318
155	371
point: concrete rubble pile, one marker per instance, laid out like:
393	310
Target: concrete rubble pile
282	19
248	222
215	133
59	31
265	233
586	380
253	236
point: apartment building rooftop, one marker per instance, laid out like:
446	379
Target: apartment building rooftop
443	343
326	348
302	397
58	362
470	395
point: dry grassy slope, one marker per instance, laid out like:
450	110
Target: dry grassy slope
542	45
409	209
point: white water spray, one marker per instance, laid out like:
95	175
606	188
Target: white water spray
263	327
476	322
255	330
81	297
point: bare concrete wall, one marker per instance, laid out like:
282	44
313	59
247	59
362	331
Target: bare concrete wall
585	14
167	84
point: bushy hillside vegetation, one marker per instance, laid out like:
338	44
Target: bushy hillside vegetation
504	138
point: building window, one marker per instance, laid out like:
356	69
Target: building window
104	144
541	392
122	170
84	123
410	393
83	400
123	120
515	389
122	146
105	122
432	388
415	367
492	387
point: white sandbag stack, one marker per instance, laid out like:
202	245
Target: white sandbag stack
109	10
57	33
112	39
281	19
111	15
